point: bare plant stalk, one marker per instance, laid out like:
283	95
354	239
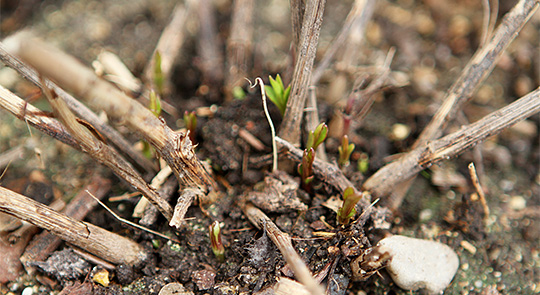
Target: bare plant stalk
309	38
209	50
156	183
355	22
102	243
239	45
151	213
479	190
284	244
476	71
118	73
297	18
105	154
170	42
30	114
382	183
187	196
45	243
174	147
325	172
80	109
478	68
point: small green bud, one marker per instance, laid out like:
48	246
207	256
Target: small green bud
215	239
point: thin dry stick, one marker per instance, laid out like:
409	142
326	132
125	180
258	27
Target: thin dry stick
174	147
166	191
311	26
30	114
382	183
211	62
156	183
170	42
80	109
129	222
479	190
118	73
102	243
239	45
297	18
476	71
105	154
284	244
187	196
356	22
45	243
327	173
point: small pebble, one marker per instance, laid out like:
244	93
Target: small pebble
420	264
174	288
28	291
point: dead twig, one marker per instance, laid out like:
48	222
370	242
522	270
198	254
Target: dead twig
45	243
284	244
105	154
102	243
30	114
476	71
383	181
325	172
479	190
169	44
355	24
311	26
239	45
174	147
80	109
211	57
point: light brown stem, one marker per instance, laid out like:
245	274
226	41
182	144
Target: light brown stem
382	183
239	45
80	109
476	71
355	22
102	243
45	243
175	148
105	154
284	244
311	26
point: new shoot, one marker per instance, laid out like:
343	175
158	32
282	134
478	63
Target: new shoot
277	93
345	151
347	211
305	168
215	239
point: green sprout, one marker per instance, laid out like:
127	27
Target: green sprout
305	169
190	120
363	163
238	93
159	78
217	243
347	211
317	136
155	103
277	93
345	151
155	107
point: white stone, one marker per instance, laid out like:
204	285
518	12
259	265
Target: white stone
420	264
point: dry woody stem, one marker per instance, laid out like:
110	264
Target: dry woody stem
79	109
45	243
476	71
382	182
102	243
239	45
284	244
105	154
309	38
174	147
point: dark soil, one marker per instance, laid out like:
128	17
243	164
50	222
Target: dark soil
433	40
